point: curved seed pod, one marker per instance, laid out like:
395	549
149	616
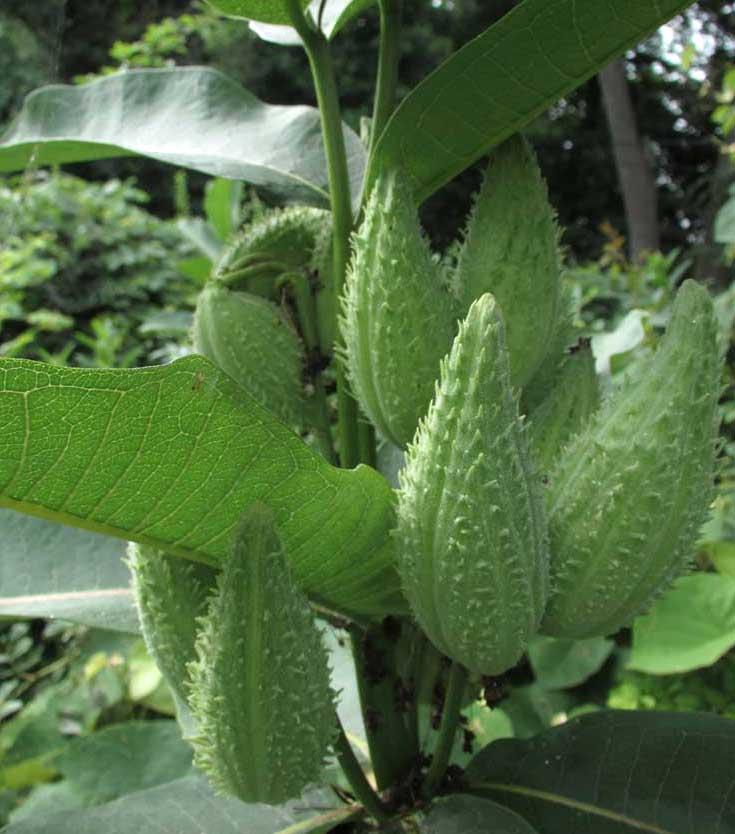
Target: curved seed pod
260	688
252	341
171	593
567	408
628	495
473	552
511	250
280	241
397	318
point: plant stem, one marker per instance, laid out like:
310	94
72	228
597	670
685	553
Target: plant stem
391	12
355	776
448	728
322	70
306	307
393	747
366	441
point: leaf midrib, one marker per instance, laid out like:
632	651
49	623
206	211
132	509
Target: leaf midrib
577	805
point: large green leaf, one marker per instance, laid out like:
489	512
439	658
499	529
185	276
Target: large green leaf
125	758
559	664
691	626
171	456
505	78
48	570
617	773
471	815
188	806
267	11
192	117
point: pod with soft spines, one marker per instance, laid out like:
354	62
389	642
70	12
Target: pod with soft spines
472	534
260	687
278	242
511	249
251	340
171	593
398	320
629	494
567	408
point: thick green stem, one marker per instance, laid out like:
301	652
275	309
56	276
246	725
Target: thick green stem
391	12
322	70
393	747
306	307
448	729
362	789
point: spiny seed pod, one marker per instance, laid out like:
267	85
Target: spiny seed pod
567	408
281	241
511	250
398	320
260	688
252	341
171	593
544	380
472	534
628	495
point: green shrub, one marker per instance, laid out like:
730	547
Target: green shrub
85	257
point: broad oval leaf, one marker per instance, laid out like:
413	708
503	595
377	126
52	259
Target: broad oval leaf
188	806
505	78
192	117
154	754
691	626
171	456
617	773
471	815
559	663
49	570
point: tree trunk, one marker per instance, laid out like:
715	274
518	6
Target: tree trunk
634	170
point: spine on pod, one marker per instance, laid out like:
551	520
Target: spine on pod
629	493
281	241
260	687
473	551
171	593
567	408
251	340
398	319
511	249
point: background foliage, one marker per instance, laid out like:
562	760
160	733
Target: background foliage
95	272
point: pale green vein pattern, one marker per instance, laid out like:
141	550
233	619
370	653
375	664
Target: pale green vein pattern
505	78
171	456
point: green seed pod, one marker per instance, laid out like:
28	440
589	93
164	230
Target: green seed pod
567	409
544	380
628	495
472	534
252	341
511	250
398	320
171	593
260	688
281	241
